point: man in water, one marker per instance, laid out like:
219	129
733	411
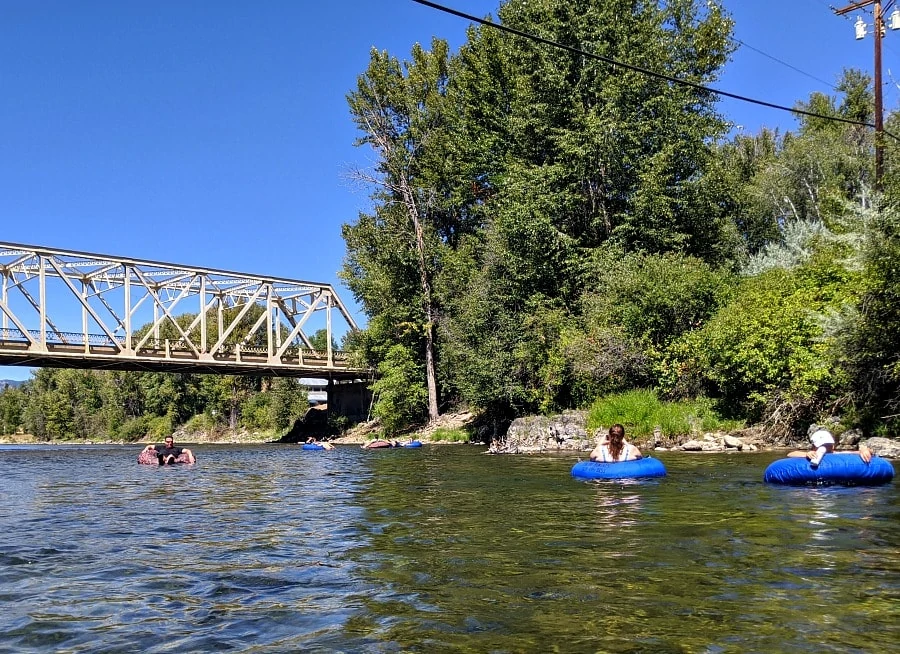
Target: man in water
168	453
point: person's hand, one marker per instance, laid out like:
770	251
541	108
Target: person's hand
865	453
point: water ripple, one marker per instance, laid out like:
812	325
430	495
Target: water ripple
273	549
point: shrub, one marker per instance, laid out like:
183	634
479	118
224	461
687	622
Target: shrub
200	423
641	412
402	396
654	298
133	430
769	340
443	434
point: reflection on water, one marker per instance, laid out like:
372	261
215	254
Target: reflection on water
272	549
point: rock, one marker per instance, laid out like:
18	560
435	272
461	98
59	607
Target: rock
717	445
886	447
732	442
850	438
542	433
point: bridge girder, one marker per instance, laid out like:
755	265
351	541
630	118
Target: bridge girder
153	316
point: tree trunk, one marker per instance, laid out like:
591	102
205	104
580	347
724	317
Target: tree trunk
430	376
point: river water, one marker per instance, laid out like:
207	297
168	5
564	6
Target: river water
441	549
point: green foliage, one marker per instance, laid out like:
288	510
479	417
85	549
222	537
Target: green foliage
871	356
134	429
809	176
256	411
200	423
131	406
289	401
769	340
641	412
400	394
319	341
12	404
653	298
446	435
145	428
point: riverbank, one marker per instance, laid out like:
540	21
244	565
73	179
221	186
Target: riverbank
223	437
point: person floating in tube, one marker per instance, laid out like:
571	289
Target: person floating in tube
822	442
614	448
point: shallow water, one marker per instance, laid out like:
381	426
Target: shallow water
275	549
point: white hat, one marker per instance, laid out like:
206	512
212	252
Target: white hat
821	437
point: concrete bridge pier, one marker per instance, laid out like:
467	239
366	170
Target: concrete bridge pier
351	399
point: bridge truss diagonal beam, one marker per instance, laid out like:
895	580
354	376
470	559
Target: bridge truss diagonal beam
63	308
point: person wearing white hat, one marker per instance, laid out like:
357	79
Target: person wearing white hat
822	442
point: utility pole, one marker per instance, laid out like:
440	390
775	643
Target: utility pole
879	104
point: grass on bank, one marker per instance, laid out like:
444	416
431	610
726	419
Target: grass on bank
447	435
642	411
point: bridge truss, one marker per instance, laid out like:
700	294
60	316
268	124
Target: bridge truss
70	309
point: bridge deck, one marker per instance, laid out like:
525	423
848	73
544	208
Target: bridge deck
105	357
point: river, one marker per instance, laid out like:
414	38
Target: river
268	548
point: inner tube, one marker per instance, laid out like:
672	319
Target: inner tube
646	467
414	444
312	446
843	469
150	459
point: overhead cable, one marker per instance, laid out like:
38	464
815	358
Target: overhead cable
643	71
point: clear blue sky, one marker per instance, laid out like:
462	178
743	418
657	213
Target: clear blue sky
217	134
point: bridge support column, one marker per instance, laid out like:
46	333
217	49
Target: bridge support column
350	399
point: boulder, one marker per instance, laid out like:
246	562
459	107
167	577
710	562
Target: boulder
732	442
566	431
850	438
693	446
886	447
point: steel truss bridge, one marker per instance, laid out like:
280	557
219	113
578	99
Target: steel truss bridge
65	309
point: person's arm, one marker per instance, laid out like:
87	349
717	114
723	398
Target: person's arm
634	454
190	455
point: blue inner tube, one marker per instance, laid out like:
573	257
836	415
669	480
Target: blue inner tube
312	446
646	467
844	469
413	444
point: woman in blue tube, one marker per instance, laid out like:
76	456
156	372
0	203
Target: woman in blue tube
615	448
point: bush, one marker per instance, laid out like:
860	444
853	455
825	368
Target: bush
654	298
133	430
870	351
445	435
769	341
641	412
200	423
402	396
159	427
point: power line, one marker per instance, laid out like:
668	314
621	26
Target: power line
643	71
